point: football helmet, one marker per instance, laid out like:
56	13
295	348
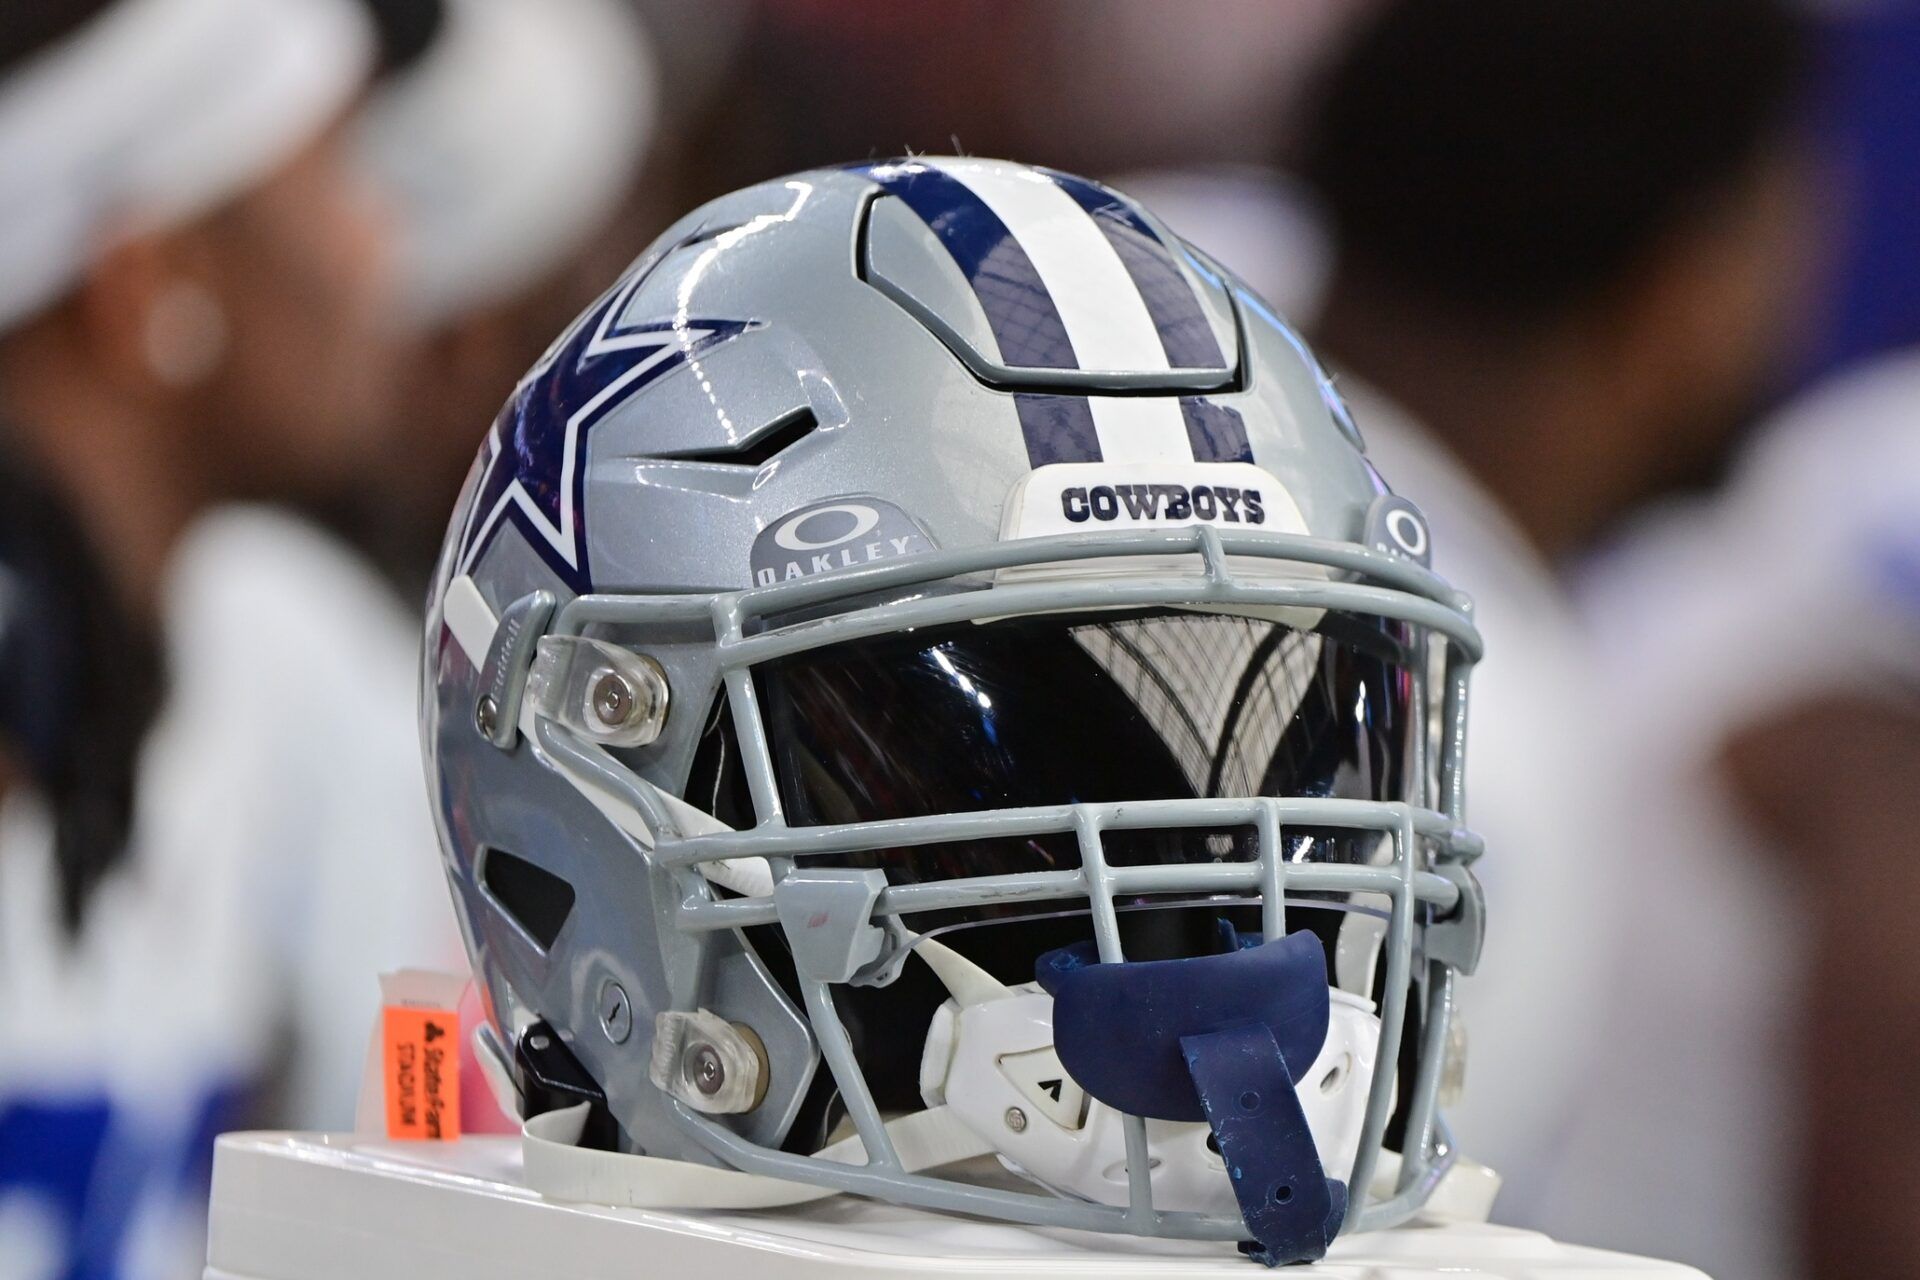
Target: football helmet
927	698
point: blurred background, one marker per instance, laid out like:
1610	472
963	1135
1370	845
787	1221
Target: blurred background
1625	293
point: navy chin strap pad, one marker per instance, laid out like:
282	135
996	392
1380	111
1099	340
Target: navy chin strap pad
1118	1027
1223	1039
1291	1208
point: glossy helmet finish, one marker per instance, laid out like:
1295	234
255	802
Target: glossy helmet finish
928	644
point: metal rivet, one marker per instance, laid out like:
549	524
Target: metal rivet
1016	1120
616	1012
705	1068
486	715
612	699
538	1043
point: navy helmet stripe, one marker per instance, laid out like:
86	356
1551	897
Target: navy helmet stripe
1025	322
1216	432
1184	332
1057	428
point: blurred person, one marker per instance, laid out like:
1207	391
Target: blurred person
72	739
1773	660
706	40
1088	85
513	153
212	833
1568	249
1137	82
820	82
1868	121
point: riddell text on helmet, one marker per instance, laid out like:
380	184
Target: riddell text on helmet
1108	502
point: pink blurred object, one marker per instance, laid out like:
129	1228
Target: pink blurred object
479	1112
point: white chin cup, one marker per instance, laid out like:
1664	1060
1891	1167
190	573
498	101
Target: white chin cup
993	1065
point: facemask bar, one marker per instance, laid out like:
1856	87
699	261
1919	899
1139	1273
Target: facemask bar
1390	588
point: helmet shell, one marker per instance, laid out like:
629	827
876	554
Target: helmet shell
856	337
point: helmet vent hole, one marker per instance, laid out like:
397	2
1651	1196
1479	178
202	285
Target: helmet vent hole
532	897
1336	1075
778	436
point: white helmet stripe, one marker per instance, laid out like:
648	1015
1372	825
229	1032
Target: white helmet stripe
1141	429
1104	314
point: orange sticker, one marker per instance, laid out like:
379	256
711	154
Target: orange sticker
421	1063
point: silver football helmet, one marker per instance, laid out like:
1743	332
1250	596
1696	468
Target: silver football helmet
927	698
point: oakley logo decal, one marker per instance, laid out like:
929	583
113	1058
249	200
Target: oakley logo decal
812	529
840	533
1396	527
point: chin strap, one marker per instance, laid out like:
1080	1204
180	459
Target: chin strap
1291	1208
1222	1038
558	1169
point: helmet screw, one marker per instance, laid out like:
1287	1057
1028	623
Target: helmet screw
612	699
1016	1120
486	715
616	1012
708	1072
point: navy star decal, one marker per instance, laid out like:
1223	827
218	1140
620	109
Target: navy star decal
532	463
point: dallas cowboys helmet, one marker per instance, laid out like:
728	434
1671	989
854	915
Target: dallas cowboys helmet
927	698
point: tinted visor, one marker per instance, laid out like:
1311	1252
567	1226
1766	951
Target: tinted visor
1060	710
